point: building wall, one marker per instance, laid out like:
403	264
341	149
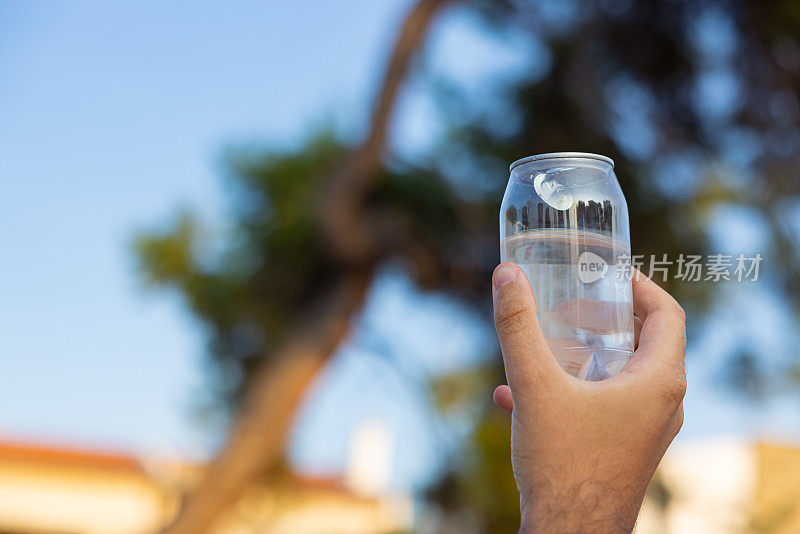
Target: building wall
726	487
316	511
50	491
47	498
776	504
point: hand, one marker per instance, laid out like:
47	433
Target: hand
584	452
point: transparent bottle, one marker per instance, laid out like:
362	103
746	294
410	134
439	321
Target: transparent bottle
564	221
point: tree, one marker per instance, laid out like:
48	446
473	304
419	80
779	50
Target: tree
623	78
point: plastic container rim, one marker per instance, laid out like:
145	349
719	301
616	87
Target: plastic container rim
561	155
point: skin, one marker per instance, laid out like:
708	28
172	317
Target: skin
583	453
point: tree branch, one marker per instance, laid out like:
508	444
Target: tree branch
259	436
348	234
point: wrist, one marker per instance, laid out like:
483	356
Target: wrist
576	521
588	507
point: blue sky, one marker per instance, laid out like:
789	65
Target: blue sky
113	116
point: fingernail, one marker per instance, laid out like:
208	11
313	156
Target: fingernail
504	274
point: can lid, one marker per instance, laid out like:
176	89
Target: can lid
562	155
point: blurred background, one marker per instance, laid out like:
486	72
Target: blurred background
248	249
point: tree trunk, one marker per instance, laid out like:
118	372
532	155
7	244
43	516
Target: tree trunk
258	437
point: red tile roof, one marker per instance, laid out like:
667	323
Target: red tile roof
67	457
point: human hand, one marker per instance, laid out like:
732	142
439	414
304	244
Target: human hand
584	452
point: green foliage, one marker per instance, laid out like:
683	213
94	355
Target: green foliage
248	290
438	216
489	482
610	56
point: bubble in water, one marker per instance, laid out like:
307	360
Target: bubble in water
551	191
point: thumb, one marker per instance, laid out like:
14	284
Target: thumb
526	355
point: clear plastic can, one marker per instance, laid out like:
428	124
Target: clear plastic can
564	221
